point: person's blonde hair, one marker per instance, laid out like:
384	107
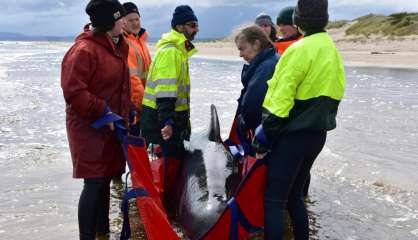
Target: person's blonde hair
253	33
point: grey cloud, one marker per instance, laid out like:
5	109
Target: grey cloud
217	17
38	5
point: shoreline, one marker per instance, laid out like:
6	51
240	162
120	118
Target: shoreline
369	55
399	54
383	54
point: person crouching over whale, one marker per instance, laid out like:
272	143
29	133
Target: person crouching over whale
165	119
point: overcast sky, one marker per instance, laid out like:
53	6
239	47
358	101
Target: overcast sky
217	18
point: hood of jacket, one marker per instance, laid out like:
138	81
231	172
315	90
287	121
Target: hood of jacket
105	41
179	41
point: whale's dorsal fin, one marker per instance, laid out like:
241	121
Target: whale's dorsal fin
214	134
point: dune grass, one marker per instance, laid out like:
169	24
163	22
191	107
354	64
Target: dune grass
337	24
398	24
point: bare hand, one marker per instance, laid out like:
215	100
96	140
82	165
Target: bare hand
111	126
167	132
260	155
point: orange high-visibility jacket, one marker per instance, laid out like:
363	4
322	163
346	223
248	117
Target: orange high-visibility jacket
139	60
282	45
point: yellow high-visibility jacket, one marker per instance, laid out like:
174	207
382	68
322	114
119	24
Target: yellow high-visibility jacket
168	78
306	88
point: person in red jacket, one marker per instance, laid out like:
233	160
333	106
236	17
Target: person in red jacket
95	82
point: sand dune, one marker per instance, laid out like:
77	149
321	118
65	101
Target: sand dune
356	51
379	53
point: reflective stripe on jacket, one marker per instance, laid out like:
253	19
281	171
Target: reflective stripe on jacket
139	60
169	73
167	92
307	86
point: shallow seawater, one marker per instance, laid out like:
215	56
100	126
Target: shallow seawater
364	183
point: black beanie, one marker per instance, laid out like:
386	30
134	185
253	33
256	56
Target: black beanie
263	18
130	7
104	13
311	15
285	16
182	14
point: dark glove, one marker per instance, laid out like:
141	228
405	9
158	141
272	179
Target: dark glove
241	126
260	142
132	116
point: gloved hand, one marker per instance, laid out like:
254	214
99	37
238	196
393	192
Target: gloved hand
241	125
132	118
260	143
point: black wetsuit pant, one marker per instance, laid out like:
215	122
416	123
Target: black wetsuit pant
289	165
93	208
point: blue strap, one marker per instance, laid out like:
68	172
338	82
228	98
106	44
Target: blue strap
132	116
106	119
120	128
261	135
133	140
237	217
129	140
233	233
236	150
246	145
126	227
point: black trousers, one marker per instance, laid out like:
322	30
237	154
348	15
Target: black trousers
93	208
288	168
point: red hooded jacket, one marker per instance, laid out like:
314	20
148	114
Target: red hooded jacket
95	75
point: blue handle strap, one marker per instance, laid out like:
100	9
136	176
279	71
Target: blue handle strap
106	119
233	233
261	135
237	217
126	227
125	140
236	150
246	145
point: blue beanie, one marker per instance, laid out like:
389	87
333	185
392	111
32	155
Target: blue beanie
182	14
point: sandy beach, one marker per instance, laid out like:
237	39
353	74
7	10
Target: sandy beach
356	51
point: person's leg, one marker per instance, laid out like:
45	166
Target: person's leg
283	165
90	197
312	144
102	225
